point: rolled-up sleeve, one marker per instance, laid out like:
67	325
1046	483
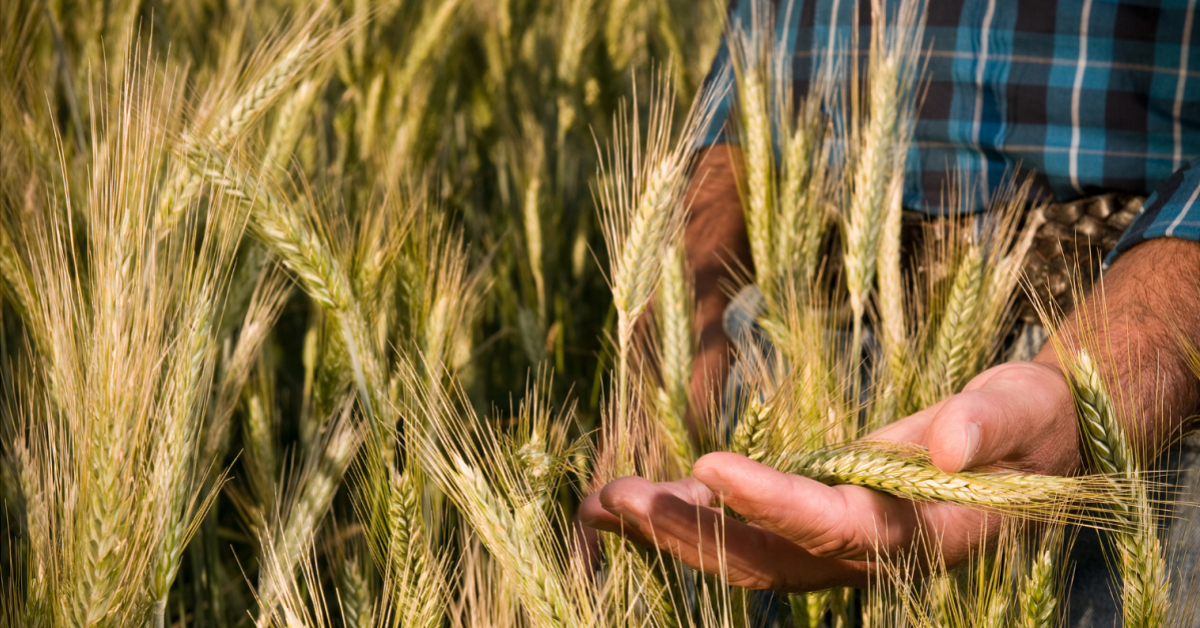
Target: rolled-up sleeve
1172	211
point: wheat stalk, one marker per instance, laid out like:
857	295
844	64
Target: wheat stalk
911	475
873	166
640	196
878	150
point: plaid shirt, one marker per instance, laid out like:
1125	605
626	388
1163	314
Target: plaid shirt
1091	96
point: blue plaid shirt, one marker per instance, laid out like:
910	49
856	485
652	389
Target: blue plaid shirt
1090	96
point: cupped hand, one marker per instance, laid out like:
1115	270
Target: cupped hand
801	535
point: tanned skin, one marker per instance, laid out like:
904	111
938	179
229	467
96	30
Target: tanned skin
802	535
718	251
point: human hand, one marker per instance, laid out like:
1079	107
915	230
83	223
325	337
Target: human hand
801	535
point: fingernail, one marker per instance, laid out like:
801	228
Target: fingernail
716	483
971	446
588	521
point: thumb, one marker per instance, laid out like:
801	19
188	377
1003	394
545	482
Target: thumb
1019	413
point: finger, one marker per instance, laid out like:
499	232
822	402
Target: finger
748	556
849	522
911	429
1016	412
592	513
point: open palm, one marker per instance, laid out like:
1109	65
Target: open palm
801	535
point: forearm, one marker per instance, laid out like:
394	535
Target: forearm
716	244
1150	298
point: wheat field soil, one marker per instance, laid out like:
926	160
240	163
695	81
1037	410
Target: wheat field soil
324	314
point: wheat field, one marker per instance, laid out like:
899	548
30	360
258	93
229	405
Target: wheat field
322	314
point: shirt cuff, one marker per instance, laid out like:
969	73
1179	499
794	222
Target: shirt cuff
1172	211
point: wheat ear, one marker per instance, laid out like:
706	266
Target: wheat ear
504	506
233	123
296	242
878	150
751	436
1145	596
910	474
1039	589
355	595
673	313
760	172
892	313
289	125
426	37
285	544
949	364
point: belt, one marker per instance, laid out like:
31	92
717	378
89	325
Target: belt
1068	249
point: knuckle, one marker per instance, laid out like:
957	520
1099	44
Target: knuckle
837	544
753	580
